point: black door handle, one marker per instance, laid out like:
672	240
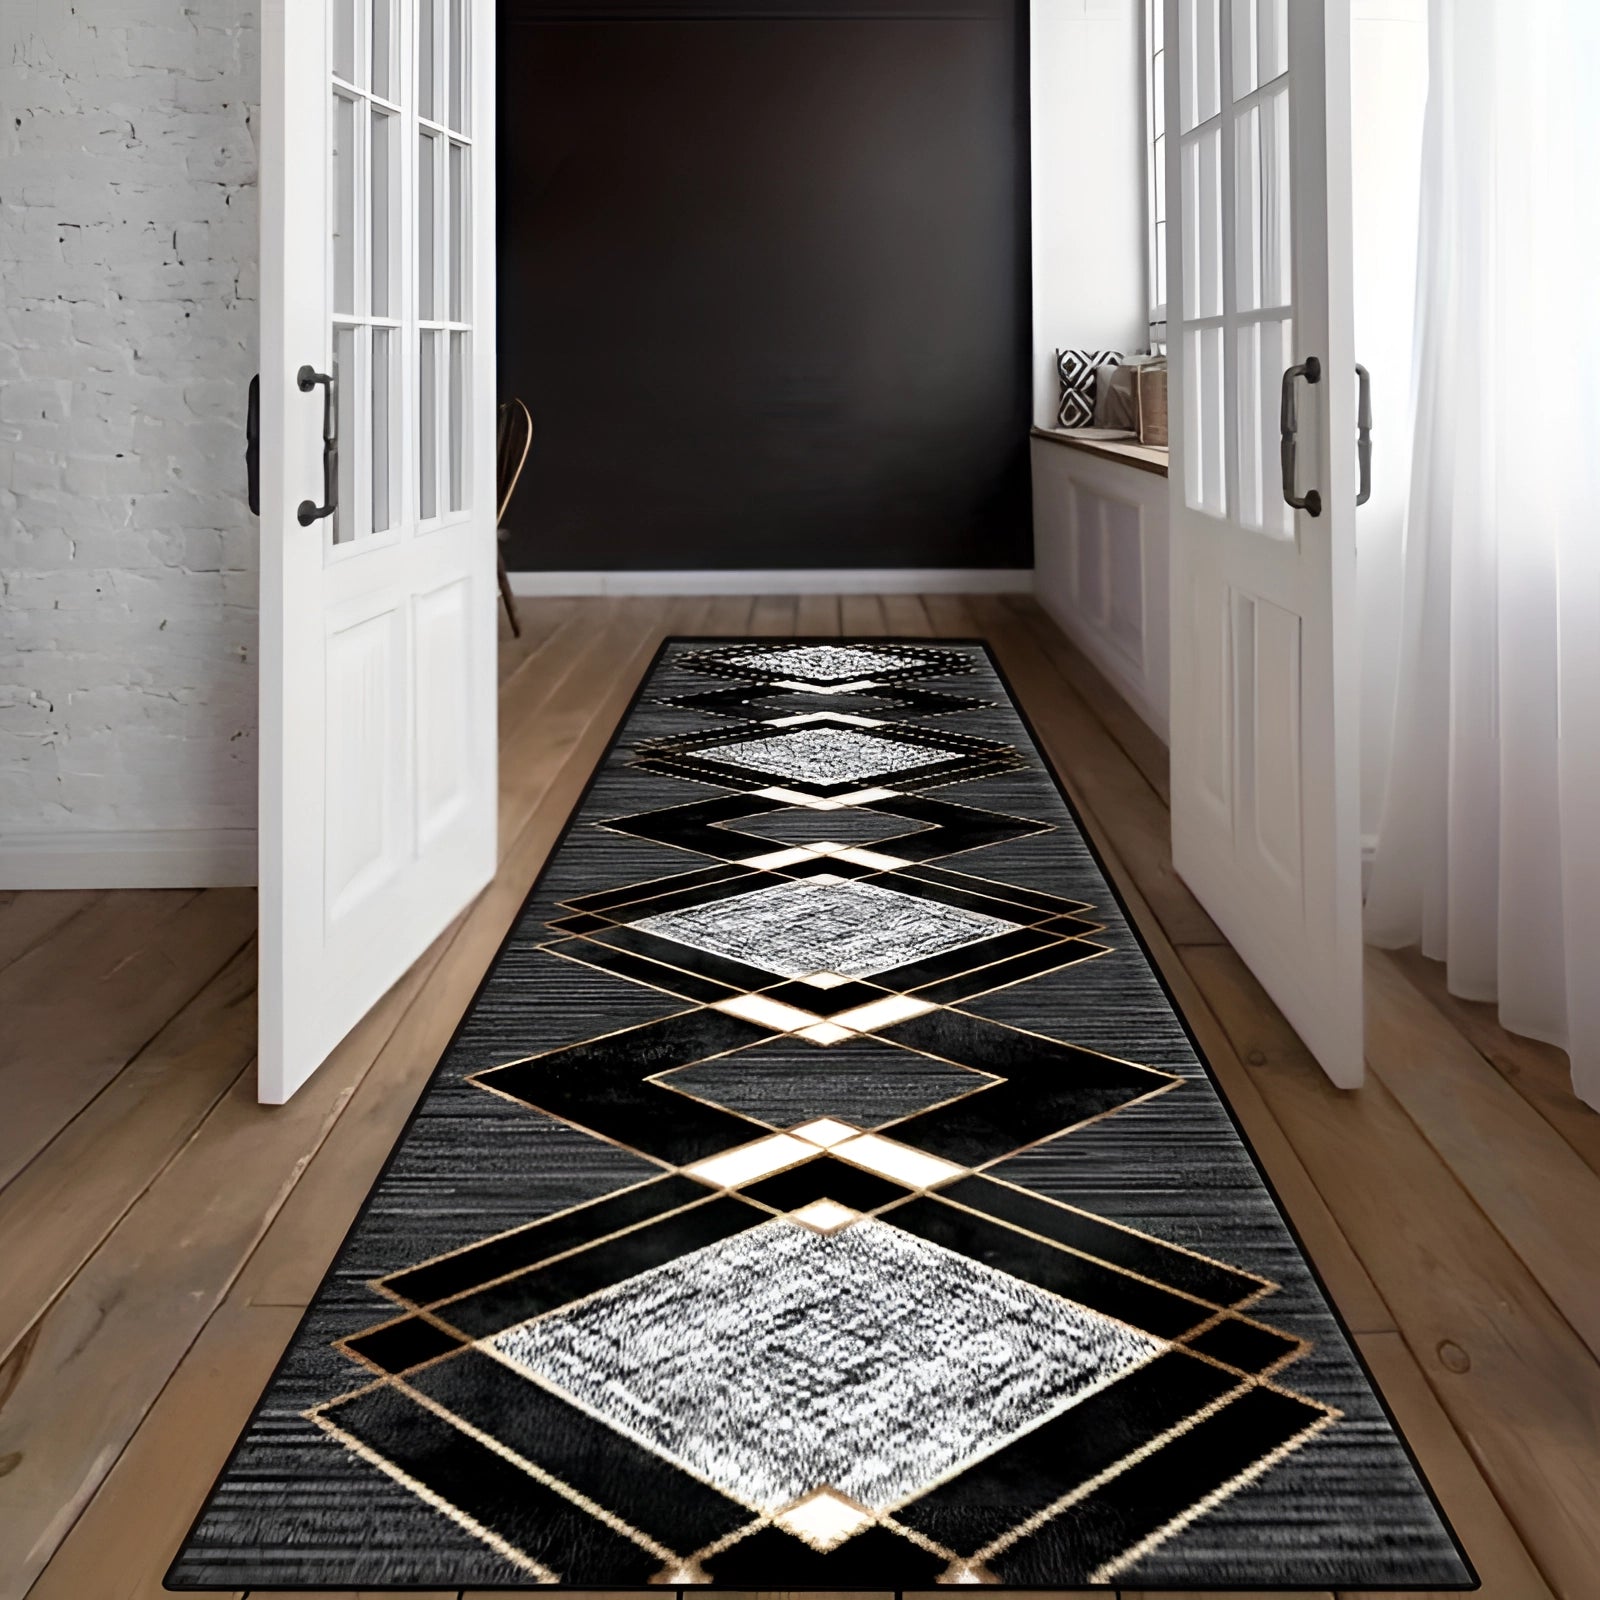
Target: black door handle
252	446
1364	434
307	379
1289	426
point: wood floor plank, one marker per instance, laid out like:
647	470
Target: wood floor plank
1517	1382
121	1545
59	1209
1530	1183
90	1366
818	614
920	623
861	616
29	916
80	1381
1492	1543
1539	1072
625	641
540	618
521	699
1225	1594
80	1004
729	615
950	616
1142	745
573	624
570	1594
905	616
773	614
1024	1594
1110	786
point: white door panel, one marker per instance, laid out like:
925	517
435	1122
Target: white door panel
1264	729
378	788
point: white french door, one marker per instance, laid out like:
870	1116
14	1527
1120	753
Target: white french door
1265	822
378	625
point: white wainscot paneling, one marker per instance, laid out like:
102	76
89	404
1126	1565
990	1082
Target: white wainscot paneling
1100	567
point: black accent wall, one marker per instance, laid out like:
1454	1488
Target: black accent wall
764	282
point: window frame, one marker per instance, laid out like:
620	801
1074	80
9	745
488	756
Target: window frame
1154	55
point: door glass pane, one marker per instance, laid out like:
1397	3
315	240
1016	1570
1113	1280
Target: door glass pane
384	44
384	197
1263	353
428	376
345	380
1272	38
384	413
344	205
427	59
1260	43
1242	38
1261	203
1203	420
1202	225
344	40
460	232
427	178
459	419
460	67
1199	48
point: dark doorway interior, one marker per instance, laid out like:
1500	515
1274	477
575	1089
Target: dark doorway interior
764	282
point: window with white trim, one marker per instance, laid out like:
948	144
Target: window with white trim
1155	64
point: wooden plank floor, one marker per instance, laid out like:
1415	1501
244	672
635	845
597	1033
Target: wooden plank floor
160	1233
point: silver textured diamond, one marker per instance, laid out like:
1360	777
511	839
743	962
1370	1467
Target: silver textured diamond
782	1359
825	925
827	755
829	663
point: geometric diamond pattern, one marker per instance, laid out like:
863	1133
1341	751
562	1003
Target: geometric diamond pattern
807	925
828	1337
953	1357
852	1303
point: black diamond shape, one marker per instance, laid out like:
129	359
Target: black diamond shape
848	825
825	1178
768	700
1048	1088
866	1082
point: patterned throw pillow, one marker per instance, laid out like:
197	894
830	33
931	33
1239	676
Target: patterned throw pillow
1076	367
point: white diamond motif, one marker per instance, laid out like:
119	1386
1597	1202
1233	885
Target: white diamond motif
827	755
829	663
839	925
783	1359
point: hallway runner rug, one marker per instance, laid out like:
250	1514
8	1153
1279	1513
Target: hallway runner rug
821	1191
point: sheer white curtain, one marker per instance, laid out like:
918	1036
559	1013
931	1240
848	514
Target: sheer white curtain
1489	848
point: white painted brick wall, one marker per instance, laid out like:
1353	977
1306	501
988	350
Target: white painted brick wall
127	341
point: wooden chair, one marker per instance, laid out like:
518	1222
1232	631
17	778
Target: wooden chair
513	438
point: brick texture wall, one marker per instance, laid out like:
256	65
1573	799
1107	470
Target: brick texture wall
127	341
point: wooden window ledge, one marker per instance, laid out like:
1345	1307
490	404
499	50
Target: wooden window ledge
1146	457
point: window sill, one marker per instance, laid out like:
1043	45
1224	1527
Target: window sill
1146	457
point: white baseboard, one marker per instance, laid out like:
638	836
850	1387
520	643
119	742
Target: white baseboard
178	858
801	580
